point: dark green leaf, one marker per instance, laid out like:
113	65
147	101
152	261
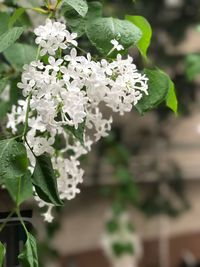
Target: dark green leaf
80	6
95	10
102	30
29	256
112	226
2	254
77	133
20	54
44	180
4	107
4	18
16	15
158	89
122	248
78	23
3	83
13	159
9	37
171	100
146	30
20	188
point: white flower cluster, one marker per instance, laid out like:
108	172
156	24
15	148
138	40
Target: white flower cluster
68	92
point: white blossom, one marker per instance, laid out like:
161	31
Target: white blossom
70	91
117	45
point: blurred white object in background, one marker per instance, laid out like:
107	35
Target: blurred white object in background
5	95
173	3
122	235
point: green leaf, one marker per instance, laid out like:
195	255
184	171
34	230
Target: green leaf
20	54
78	23
4	107
2	254
80	6
13	159
102	30
95	10
29	256
171	100
122	248
159	85
4	19
9	37
146	30
44	180
3	83
20	188
112	226
192	66
16	15
77	133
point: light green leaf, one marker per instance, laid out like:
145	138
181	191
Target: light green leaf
15	16
146	30
13	159
20	188
192	66
20	54
171	100
80	6
2	254
4	18
158	89
44	180
102	30
29	256
9	37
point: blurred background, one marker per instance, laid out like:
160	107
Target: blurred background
140	203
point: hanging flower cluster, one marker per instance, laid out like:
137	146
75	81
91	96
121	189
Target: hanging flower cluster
68	91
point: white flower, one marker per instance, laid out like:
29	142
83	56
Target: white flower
116	45
48	217
53	35
54	64
71	92
70	38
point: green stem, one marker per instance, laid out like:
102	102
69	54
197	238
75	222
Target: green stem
18	191
30	147
80	49
27	114
58	2
6	220
21	220
38	52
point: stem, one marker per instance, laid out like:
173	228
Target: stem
58	2
18	191
82	50
21	220
6	220
113	49
26	119
30	147
38	52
